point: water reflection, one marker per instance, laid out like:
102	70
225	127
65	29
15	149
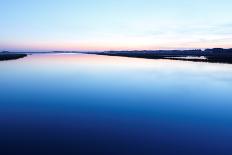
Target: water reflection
87	104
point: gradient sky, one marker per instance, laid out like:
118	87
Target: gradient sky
114	24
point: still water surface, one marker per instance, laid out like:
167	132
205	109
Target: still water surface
87	104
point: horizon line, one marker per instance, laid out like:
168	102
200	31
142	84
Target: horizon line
168	49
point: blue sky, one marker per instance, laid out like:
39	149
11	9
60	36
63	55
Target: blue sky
114	24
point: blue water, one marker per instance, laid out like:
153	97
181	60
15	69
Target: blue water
98	105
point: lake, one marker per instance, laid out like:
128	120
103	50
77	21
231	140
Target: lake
68	104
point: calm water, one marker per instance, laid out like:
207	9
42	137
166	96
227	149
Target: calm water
85	104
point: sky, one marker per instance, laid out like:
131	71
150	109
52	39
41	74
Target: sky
96	25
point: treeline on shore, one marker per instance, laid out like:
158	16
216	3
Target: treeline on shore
210	55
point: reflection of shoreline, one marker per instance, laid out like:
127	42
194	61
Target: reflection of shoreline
10	56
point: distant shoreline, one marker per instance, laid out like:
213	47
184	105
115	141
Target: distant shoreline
216	55
11	56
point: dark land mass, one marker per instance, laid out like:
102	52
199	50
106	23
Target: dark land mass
215	55
10	56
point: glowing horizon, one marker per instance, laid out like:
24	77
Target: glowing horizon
98	25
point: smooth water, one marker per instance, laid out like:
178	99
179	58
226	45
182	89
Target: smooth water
86	104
